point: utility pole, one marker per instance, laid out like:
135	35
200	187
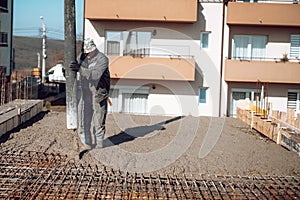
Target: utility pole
39	60
44	49
70	57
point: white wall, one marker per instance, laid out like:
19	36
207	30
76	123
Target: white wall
164	104
278	103
91	32
277	49
209	59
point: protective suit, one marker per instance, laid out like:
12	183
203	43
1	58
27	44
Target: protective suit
93	88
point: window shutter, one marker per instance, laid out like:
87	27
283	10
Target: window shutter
292	100
295	46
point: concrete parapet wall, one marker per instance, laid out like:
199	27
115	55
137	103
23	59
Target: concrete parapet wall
17	112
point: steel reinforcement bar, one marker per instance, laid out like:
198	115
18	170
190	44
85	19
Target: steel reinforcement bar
35	175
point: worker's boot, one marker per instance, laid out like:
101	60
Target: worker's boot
85	139
99	144
100	137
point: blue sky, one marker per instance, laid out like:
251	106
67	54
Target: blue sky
27	20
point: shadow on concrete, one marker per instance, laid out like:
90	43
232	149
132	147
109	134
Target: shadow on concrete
81	154
130	134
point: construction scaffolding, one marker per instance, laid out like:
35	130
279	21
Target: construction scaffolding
36	175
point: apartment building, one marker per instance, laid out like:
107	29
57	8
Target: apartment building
263	60
6	52
165	55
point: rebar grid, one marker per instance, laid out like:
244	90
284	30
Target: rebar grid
34	175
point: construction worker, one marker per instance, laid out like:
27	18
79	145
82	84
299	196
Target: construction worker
93	84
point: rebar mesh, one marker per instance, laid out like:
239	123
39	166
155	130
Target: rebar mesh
35	175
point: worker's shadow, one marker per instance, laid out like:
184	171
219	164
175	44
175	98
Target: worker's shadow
130	134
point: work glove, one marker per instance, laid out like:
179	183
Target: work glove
74	66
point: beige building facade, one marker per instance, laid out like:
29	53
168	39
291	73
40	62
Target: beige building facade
263	63
181	57
164	54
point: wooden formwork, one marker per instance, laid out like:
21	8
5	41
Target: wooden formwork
281	127
14	113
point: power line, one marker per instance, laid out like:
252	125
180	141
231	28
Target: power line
27	28
52	33
37	32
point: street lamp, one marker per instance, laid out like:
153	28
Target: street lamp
44	55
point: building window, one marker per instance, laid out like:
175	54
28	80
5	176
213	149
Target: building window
249	47
113	48
202	95
129	99
294	100
204	38
135	103
3	4
125	43
295	46
3	39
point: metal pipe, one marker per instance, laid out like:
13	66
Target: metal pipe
221	62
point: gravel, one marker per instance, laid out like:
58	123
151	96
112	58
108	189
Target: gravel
161	145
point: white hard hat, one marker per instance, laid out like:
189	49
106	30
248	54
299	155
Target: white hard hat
89	45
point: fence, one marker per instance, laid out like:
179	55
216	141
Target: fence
20	85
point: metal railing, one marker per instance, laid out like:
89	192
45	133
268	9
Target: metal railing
275	59
145	52
267	1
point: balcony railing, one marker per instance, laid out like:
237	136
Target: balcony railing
3	39
275	59
267	1
142	52
146	52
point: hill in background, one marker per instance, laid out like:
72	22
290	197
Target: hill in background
26	49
